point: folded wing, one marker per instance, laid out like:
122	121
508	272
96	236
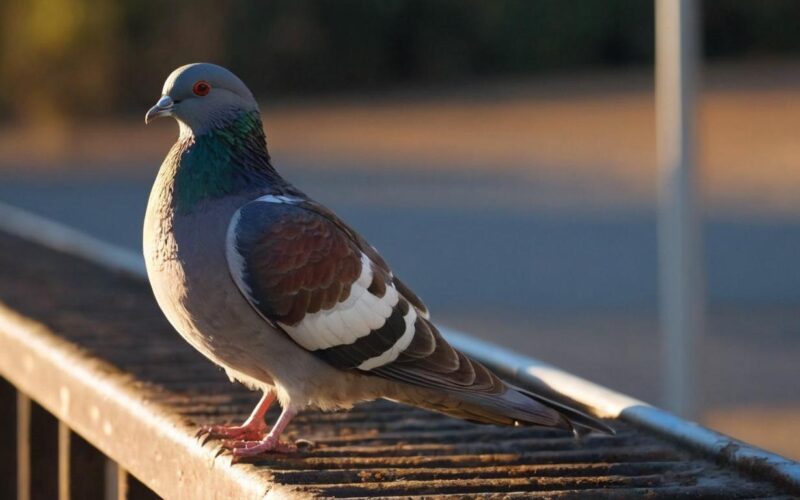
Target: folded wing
307	273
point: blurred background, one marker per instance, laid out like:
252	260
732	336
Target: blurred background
501	155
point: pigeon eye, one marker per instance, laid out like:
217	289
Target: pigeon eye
201	88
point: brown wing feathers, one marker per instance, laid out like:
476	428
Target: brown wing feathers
303	264
298	266
306	271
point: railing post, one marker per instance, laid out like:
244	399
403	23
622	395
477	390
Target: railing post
64	464
37	451
120	485
680	252
81	467
23	447
116	484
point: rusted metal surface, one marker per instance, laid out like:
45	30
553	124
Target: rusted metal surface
604	402
100	357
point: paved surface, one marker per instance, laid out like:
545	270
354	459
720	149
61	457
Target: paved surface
519	254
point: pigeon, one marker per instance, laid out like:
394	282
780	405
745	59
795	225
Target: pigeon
285	296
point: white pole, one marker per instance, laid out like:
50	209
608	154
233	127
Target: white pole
680	250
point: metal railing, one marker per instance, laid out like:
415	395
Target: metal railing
90	360
52	461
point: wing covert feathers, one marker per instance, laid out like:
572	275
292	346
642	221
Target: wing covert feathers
309	274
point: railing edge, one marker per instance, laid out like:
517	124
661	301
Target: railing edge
605	402
87	394
96	401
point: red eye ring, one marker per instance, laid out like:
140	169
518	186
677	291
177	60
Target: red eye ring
201	88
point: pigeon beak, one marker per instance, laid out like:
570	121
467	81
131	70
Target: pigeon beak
162	108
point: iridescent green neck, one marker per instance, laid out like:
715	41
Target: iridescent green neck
229	159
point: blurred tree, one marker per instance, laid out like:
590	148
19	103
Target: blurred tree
58	57
65	58
742	27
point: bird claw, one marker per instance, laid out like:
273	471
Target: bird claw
248	432
251	448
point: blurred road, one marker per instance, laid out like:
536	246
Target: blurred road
469	244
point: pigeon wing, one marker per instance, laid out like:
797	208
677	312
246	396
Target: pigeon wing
310	275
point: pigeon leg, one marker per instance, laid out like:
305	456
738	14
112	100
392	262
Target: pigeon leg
271	441
252	428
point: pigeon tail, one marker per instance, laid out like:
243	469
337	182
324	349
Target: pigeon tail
580	422
519	407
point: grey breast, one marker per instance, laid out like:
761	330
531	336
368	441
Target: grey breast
189	273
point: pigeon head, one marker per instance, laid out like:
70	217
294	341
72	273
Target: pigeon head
201	96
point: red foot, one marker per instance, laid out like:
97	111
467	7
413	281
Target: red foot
254	431
250	448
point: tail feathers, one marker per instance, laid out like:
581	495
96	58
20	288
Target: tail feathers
579	421
519	407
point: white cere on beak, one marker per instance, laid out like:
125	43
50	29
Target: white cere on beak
162	108
164	102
